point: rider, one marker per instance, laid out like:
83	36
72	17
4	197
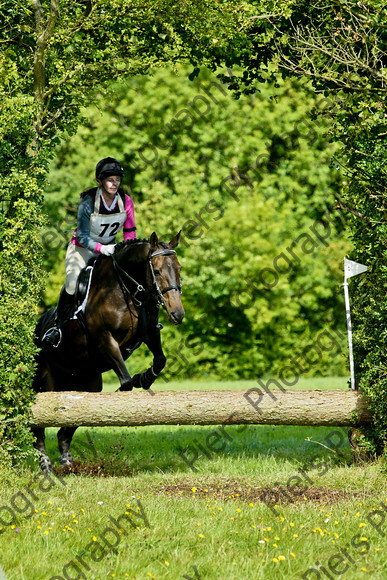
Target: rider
102	212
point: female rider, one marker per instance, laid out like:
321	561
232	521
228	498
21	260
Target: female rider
103	211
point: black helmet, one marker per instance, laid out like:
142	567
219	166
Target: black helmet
108	166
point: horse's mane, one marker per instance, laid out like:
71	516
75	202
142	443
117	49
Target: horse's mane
131	245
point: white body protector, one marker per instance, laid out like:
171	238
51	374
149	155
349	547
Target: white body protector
104	227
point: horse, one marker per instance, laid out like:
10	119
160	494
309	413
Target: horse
125	293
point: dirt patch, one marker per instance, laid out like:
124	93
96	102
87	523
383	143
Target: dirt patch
97	469
234	490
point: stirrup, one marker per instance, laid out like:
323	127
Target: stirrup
48	337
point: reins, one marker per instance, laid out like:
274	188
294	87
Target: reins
125	290
155	291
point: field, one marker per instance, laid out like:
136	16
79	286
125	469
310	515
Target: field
264	502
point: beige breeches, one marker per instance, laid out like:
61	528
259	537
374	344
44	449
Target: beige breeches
76	259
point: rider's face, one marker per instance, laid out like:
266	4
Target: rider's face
111	184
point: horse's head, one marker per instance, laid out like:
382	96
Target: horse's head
165	273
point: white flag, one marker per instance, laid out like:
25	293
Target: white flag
353	268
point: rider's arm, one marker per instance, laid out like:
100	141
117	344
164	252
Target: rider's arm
129	225
85	209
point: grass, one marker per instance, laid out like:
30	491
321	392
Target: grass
324	383
239	512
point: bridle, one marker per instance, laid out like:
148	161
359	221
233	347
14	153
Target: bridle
178	287
156	291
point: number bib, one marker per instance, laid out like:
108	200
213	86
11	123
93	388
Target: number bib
104	227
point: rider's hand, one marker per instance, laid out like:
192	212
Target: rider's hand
107	250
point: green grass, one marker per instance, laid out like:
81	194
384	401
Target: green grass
111	383
185	526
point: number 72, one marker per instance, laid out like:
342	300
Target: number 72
114	229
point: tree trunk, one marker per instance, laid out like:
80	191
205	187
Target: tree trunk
334	408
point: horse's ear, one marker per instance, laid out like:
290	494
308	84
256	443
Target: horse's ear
154	242
175	241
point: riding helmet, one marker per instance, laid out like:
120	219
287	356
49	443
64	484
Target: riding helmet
107	167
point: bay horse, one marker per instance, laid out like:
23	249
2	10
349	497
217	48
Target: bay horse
122	311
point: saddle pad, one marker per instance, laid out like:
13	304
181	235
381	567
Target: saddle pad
83	288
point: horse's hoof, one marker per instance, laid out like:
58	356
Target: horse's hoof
137	383
144	380
126	387
45	464
66	459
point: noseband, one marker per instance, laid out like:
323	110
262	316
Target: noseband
178	287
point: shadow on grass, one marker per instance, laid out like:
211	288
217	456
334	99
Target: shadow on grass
129	451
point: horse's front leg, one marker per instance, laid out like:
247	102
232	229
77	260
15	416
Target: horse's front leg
146	379
109	348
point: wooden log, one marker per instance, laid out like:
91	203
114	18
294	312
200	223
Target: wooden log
292	407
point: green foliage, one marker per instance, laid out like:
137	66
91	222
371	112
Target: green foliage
366	190
243	180
20	289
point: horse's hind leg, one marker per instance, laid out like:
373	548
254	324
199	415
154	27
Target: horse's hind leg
65	435
44	460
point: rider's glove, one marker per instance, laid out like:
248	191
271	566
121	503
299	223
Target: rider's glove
107	250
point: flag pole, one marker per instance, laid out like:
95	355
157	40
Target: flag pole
351	269
349	329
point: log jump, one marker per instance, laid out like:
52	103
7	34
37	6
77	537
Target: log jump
317	407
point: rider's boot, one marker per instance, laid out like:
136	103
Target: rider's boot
53	336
